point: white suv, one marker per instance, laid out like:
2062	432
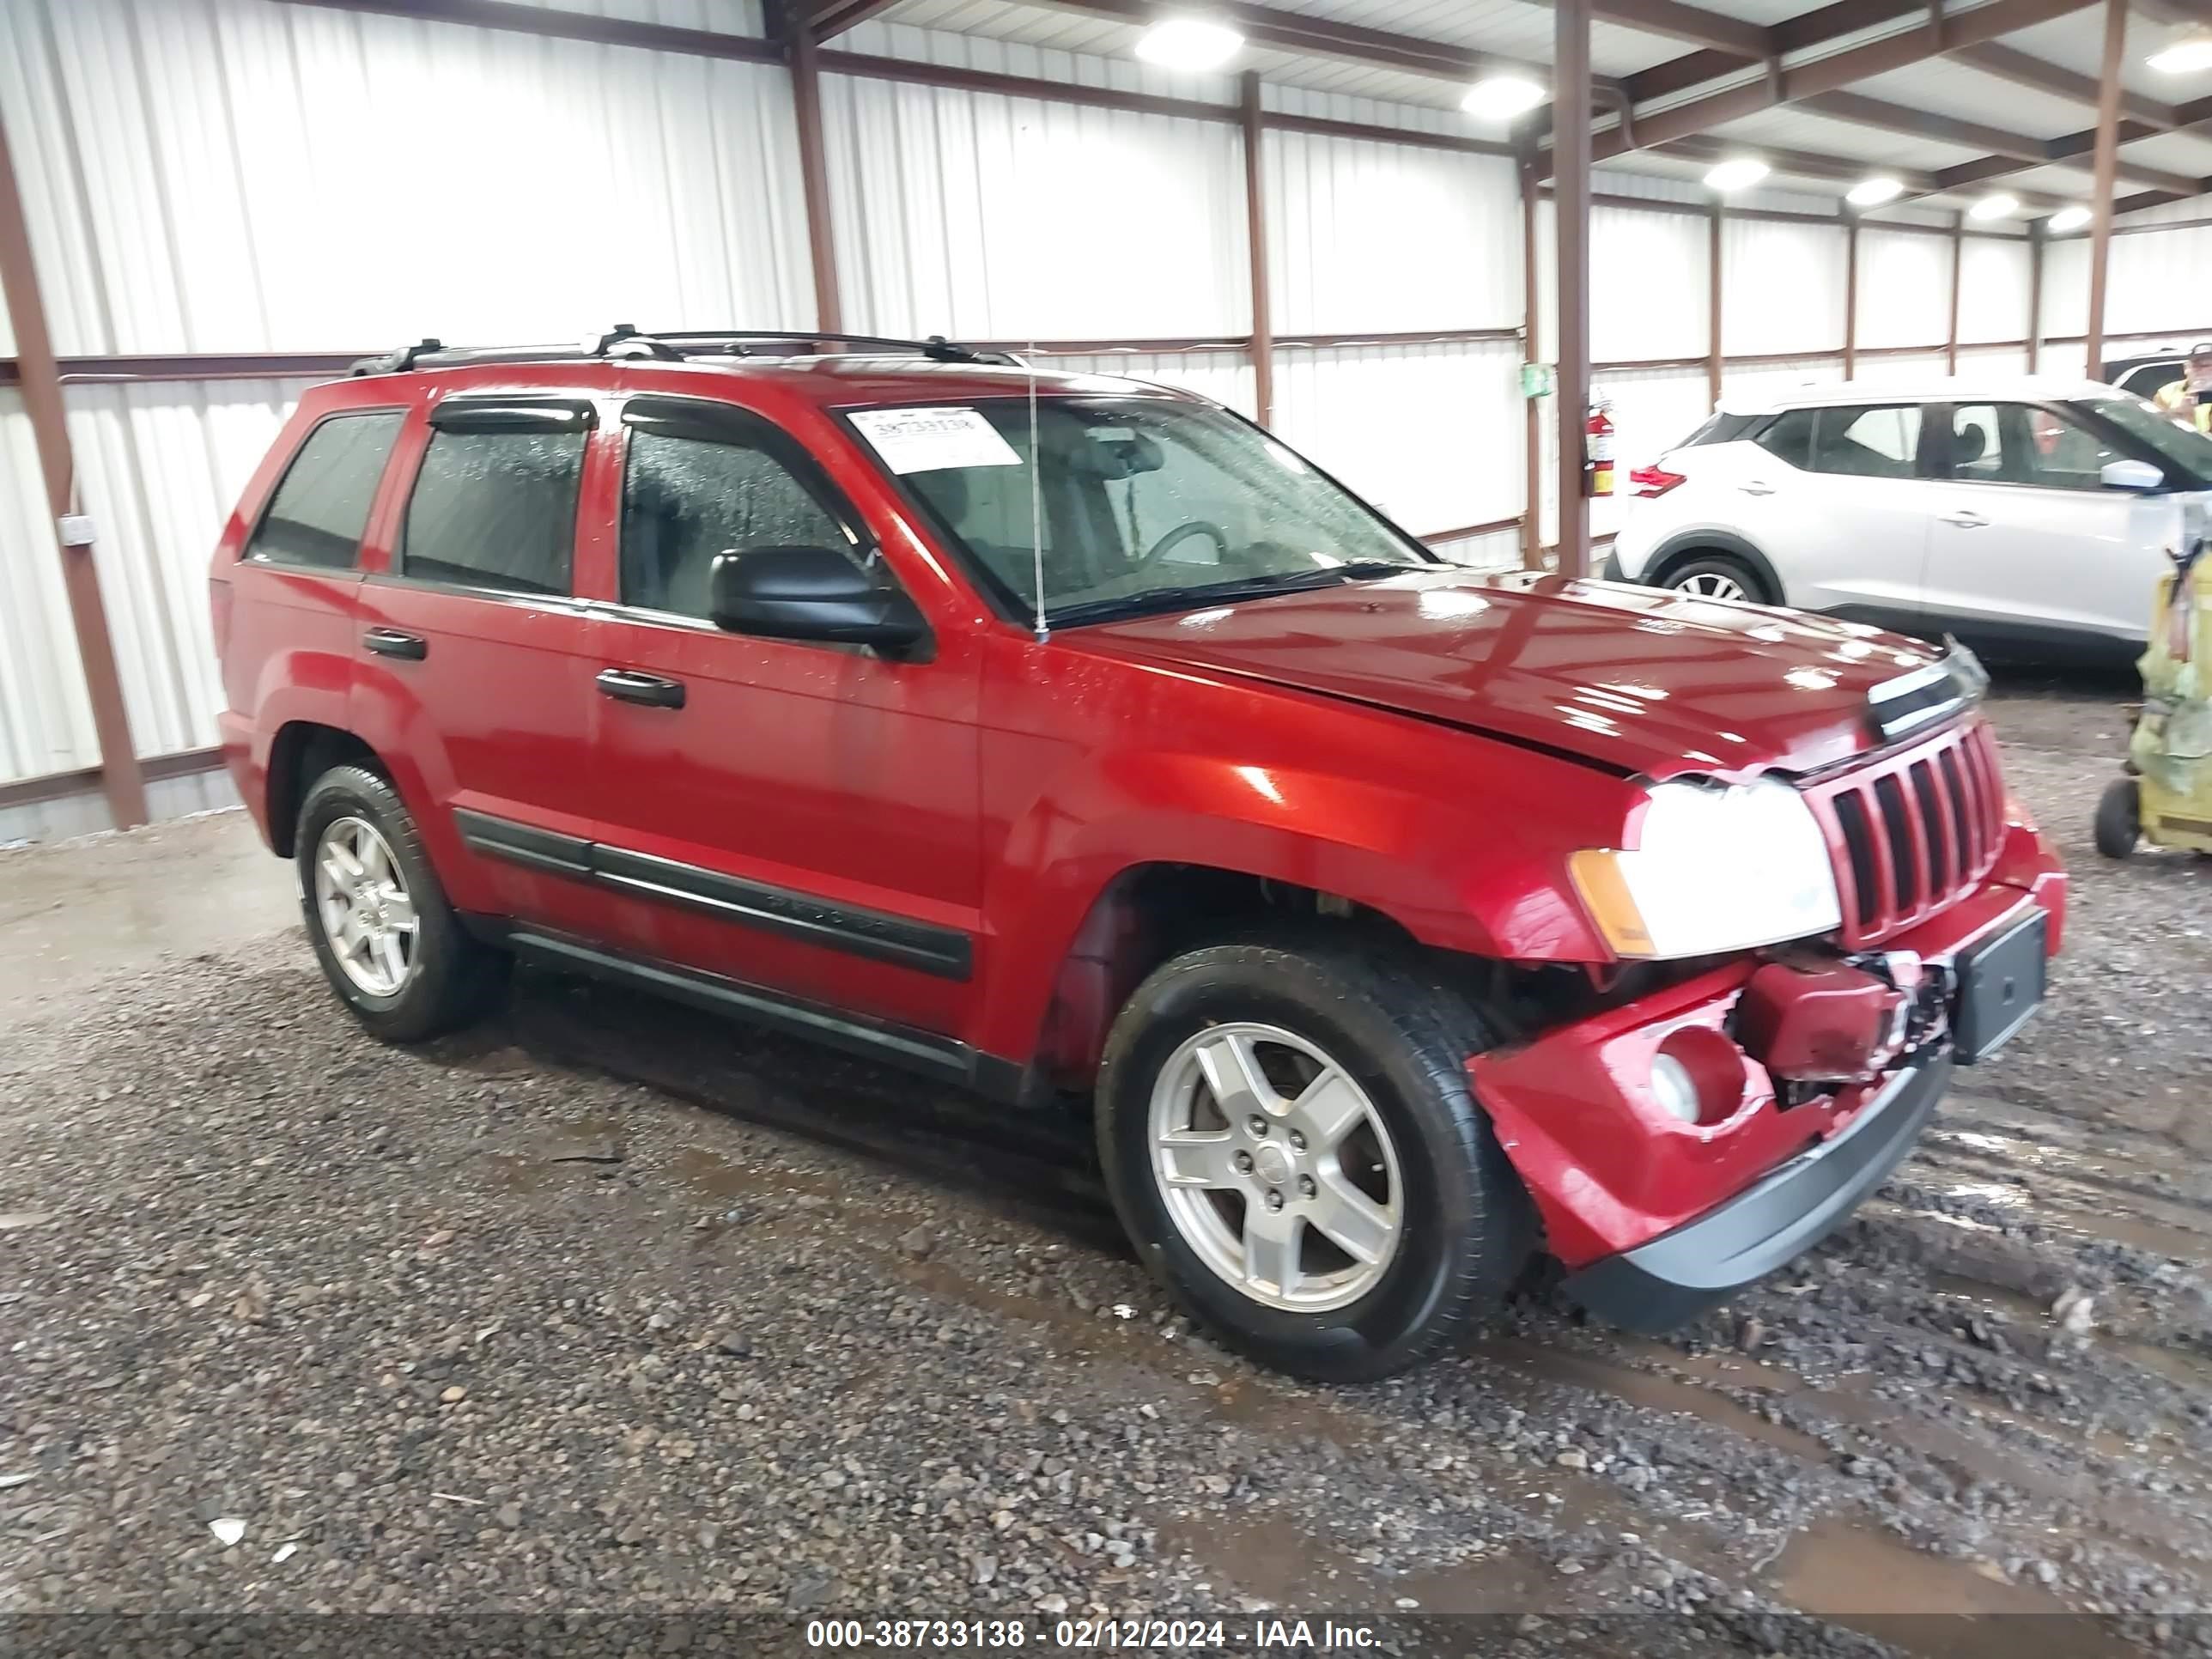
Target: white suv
2024	515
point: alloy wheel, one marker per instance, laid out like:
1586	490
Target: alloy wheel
1276	1168
367	916
1712	584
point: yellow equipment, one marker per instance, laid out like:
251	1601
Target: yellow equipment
2167	797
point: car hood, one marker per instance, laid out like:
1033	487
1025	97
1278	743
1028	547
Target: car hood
1637	679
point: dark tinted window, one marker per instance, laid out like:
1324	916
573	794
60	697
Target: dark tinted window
687	500
321	506
1789	437
2024	444
496	510
1720	428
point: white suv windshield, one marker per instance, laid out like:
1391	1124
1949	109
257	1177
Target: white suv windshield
1139	504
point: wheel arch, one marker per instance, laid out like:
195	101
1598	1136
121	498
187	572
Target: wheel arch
1683	546
301	751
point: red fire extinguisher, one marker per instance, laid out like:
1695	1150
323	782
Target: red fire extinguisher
1597	449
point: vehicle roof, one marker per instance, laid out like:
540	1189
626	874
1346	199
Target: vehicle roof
1964	388
831	379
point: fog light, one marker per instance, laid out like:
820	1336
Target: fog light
1673	1087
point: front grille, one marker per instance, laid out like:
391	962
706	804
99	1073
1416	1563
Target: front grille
1910	834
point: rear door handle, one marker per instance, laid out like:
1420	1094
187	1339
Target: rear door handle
1965	517
1756	487
627	685
391	642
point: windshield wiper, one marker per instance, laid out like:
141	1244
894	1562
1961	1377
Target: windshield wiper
1195	594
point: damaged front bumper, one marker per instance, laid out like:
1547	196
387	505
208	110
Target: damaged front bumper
1812	1079
1680	1275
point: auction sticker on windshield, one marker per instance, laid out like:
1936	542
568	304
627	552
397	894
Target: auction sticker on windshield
932	440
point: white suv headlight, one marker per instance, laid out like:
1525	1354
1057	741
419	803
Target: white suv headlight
1715	869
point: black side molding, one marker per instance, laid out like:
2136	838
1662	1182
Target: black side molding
945	952
521	843
939	950
941	1057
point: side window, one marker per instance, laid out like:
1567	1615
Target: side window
1789	437
685	501
496	507
2021	444
1867	442
321	505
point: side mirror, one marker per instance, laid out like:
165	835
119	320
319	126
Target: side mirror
2139	477
810	593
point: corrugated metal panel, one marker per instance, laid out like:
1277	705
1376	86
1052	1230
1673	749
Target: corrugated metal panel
1648	284
1500	549
1449	222
84	812
1372	112
1430	432
1224	376
1904	289
1044	45
1960	89
1905	368
975	214
1781	286
722	16
1754	383
1992	289
1799	129
2158	281
2066	284
1989	361
160	467
46	725
228	177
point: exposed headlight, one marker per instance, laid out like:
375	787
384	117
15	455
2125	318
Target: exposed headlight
1716	869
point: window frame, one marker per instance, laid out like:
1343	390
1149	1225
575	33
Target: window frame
2113	436
714	420
466	412
246	553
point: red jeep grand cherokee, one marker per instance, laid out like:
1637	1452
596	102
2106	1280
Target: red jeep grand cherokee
1402	926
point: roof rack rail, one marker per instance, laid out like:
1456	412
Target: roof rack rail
626	340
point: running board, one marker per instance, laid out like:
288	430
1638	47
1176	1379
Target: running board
944	1058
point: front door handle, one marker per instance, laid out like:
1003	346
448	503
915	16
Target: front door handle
1965	517
391	642
627	685
1756	487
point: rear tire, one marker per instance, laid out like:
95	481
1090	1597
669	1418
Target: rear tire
1355	1063
2120	818
1719	576
388	939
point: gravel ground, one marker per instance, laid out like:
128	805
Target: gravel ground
612	1309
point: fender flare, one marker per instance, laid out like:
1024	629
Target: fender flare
1673	550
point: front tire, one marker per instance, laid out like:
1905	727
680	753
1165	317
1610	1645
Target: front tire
2120	818
1289	1137
388	939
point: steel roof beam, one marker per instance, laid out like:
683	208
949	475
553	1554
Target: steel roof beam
1795	84
2025	70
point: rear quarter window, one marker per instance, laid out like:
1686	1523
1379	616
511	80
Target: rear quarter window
320	506
495	509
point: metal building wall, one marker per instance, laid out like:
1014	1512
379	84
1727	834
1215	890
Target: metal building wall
1781	285
978	215
1905	289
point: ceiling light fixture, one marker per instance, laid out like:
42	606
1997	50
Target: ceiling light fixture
1738	173
1502	97
2069	218
2185	53
1999	206
1873	192
1188	43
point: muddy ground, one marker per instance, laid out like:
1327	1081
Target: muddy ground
609	1307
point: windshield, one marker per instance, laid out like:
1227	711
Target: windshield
2183	445
1140	504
